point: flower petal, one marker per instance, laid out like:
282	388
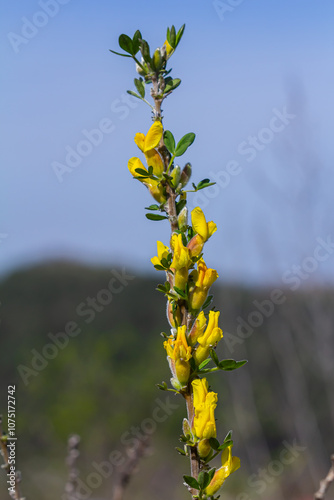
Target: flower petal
199	223
134	163
153	136
140	141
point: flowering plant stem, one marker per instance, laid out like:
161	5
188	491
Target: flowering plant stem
194	333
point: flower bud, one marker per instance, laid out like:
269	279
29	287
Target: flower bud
173	319
195	245
163	53
197	329
204	448
185	175
182	219
176	175
140	70
156	60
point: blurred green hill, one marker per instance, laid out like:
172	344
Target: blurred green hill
82	346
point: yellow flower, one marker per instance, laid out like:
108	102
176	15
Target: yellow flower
147	144
197	328
163	252
152	138
181	261
204	424
200	226
229	465
204	277
154	187
209	338
202	229
179	353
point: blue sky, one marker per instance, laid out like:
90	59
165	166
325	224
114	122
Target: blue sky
255	61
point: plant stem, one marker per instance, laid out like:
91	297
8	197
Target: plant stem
186	316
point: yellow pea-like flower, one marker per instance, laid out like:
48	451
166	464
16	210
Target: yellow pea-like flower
181	261
151	139
229	465
197	329
147	144
154	187
209	338
179	353
204	277
163	252
204	230
204	424
199	224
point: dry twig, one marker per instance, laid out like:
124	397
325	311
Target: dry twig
73	473
135	454
325	483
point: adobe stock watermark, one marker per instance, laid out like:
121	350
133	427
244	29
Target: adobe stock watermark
129	439
259	482
293	277
93	138
87	309
249	148
223	8
31	27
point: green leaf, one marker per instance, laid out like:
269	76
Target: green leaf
186	427
228	436
140	86
172	37
159	268
172	84
131	92
204	183
184	144
180	292
153	207
203	479
214	357
161	288
211	474
208	301
191	481
150	170
135	41
225	445
179	205
164	262
180	34
145	51
155	217
169	141
119	54
204	363
231	364
182	452
141	171
214	443
162	387
126	44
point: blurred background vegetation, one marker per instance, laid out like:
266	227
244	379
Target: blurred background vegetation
101	384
